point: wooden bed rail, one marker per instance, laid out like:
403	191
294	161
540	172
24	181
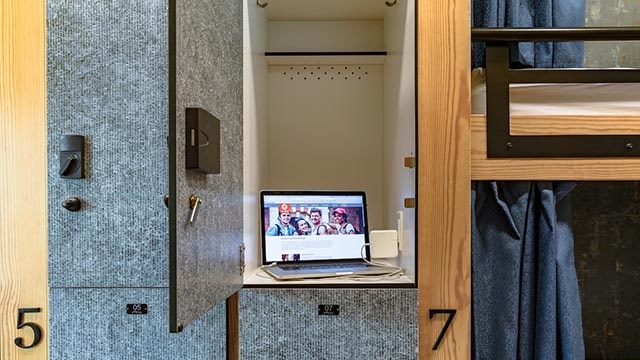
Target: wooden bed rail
501	142
578	169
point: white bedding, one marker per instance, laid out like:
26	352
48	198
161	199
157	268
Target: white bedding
562	99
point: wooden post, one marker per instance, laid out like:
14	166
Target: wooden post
233	327
23	181
444	183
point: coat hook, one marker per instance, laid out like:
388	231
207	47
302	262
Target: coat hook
391	3
261	5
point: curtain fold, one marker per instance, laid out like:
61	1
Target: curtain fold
532	13
526	303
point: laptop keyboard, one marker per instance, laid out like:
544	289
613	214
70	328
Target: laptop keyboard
320	266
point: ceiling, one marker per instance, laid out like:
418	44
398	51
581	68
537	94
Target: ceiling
324	9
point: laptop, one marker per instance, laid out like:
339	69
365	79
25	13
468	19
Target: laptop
315	234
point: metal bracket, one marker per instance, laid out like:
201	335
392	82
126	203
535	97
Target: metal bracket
242	263
410	162
500	142
409	203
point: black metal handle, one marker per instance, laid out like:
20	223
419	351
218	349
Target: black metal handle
628	33
72	204
68	165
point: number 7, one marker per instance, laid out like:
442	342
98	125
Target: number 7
451	313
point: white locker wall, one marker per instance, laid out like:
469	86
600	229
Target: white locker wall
325	130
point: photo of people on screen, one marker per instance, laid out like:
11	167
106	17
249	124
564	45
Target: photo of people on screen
318	226
296	220
287	257
340	220
283	226
301	227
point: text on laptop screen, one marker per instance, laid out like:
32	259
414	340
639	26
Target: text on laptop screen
300	227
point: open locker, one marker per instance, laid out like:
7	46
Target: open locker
329	104
305	125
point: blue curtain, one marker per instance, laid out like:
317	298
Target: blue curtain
526	303
532	13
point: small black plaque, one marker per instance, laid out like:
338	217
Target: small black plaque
136	309
202	141
328	309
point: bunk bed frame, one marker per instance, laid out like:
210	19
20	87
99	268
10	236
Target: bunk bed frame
452	152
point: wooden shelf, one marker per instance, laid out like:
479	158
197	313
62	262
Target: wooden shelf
325	57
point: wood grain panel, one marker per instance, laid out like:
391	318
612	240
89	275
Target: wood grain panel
444	205
233	326
571	124
483	168
23	176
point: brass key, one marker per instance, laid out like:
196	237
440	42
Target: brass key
194	201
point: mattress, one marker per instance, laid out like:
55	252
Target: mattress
562	99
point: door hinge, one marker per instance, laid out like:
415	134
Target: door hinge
241	262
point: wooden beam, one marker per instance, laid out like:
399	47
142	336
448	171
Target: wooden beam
483	168
570	124
444	187
23	177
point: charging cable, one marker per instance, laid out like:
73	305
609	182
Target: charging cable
395	274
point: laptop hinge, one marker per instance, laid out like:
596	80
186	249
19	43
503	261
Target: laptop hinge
241	259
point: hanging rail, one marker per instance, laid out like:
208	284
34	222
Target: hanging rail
325	53
630	33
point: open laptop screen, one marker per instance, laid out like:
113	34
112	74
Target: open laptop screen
313	225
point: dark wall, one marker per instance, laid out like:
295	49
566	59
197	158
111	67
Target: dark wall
606	218
612	13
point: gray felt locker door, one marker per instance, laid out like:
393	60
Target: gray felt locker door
205	72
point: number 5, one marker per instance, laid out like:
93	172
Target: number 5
451	313
37	333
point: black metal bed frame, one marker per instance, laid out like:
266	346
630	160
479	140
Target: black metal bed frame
500	142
